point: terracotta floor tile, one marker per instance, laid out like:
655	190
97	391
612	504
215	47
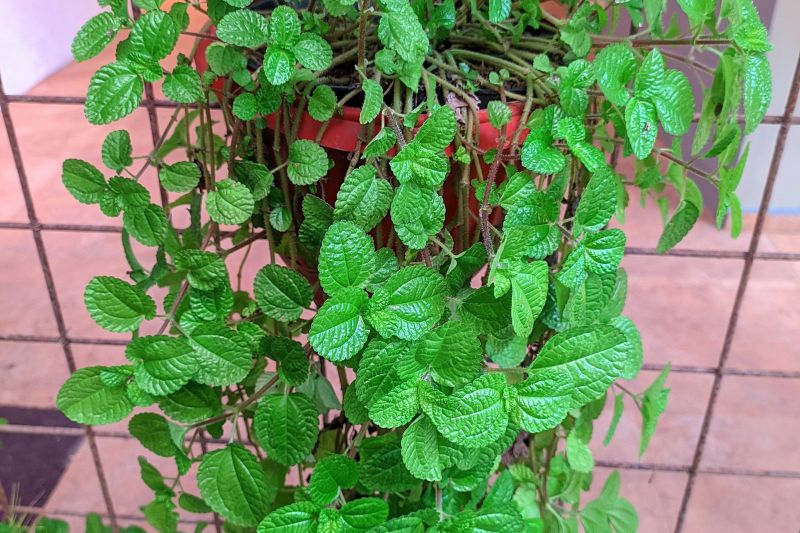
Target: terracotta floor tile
755	425
678	428
79	489
76	259
681	306
31	373
12	208
743	505
26	304
768	331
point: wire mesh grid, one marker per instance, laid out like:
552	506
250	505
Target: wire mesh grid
719	371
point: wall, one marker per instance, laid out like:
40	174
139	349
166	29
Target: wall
783	58
36	38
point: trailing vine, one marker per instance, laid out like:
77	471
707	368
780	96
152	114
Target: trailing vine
436	323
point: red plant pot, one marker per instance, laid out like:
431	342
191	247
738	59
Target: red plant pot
341	136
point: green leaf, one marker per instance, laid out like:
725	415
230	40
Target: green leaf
381	143
373	101
573	269
230	203
331	473
153	432
382	467
651	75
116	150
193	504
287	426
539	155
239	3
128	194
654	402
147	5
115	91
293	367
416	212
642	126
223	59
94	36
484	311
284	26
245	106
599	201
474	415
355	411
542	401
438	130
317	218
233	484
154	34
339	331
409	304
205	270
147	225
528	294
281	293
499	10
619	408
757	90
182	176
615	67
678	226
322	103
364	513
697	10
116	305
243	28
86	400
293	518
313	52
578	453
192	403
591	356
398	407
378	372
453	353
750	33
256	176
400	30
278	65
633	361
604	250
83	181
675	103
223	354
308	162
420	449
499	114
578	77
346	259
160	515
363	198
162	364
425	167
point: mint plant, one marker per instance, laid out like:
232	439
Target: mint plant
438	322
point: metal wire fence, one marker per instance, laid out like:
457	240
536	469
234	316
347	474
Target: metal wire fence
719	371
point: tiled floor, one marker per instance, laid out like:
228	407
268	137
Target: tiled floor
681	305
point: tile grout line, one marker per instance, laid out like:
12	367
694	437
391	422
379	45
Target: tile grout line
744	279
51	289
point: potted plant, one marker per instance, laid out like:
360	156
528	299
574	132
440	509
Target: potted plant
439	321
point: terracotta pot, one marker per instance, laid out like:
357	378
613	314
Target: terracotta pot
341	136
